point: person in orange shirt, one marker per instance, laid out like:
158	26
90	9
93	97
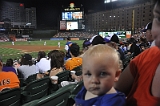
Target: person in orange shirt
75	61
140	79
8	79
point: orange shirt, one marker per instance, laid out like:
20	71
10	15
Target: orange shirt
8	80
73	63
143	68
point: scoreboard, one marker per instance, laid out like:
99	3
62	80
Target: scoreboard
72	19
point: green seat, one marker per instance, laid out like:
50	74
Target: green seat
78	73
58	98
10	97
76	89
79	68
74	92
36	89
63	76
31	78
21	82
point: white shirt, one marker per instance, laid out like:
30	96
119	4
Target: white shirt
43	65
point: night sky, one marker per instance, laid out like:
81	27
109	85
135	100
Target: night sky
48	11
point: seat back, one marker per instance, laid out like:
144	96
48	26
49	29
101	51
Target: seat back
79	68
59	98
63	76
21	82
36	89
10	97
31	78
77	88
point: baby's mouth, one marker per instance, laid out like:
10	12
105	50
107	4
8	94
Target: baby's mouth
94	87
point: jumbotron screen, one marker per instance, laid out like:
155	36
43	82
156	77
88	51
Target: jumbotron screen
72	25
72	15
72	20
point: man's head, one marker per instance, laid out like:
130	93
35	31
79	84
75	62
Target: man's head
26	59
101	68
74	49
68	38
156	23
147	31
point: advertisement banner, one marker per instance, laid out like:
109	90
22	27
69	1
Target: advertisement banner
63	25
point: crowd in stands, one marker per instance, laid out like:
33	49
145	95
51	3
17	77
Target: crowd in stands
3	37
74	34
113	72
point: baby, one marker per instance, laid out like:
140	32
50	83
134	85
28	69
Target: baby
100	69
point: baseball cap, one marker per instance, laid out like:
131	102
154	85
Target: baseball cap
27	57
148	26
95	40
114	38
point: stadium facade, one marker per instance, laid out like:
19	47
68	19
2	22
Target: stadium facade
131	17
15	15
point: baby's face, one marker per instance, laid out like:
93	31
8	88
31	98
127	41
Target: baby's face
99	74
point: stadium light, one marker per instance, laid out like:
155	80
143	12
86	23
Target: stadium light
109	1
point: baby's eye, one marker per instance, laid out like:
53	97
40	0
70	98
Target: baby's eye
102	74
88	74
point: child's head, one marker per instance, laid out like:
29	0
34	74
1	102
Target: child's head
100	69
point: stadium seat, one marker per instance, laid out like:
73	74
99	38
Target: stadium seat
31	78
79	68
76	89
21	82
74	92
36	89
63	76
10	97
59	98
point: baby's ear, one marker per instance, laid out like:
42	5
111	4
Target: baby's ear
117	75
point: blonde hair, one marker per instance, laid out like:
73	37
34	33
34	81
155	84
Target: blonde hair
100	49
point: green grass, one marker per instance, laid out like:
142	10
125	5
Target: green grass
6	53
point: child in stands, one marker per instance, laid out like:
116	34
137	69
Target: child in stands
100	69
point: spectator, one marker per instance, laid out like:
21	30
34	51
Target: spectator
43	64
100	70
9	66
8	79
115	43
68	44
57	62
140	80
134	48
75	61
148	33
27	67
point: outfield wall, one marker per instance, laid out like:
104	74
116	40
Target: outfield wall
64	38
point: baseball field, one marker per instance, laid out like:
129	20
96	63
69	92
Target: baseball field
7	50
